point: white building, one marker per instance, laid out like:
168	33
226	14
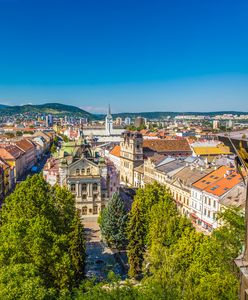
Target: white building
109	122
127	121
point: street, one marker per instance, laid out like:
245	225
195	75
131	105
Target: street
100	258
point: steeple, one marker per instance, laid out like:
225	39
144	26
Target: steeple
109	110
109	122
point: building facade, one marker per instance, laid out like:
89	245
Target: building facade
131	156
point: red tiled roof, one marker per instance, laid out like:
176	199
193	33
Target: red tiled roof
25	145
159	145
10	152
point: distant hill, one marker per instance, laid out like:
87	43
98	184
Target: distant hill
164	115
3	105
48	108
69	110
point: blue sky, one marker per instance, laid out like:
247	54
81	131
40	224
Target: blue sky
136	55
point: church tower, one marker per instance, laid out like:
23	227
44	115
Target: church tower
109	122
131	156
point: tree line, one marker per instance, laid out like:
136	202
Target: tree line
168	256
42	248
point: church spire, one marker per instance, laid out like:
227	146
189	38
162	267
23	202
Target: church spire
109	110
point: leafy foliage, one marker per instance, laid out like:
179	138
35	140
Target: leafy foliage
42	242
140	220
113	222
176	259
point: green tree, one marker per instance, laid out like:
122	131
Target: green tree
53	148
113	223
136	236
140	217
77	249
18	133
194	266
40	228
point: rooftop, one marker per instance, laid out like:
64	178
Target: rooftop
116	151
159	145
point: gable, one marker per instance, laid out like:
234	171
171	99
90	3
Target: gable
84	166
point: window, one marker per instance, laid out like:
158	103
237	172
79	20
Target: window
88	171
205	211
209	201
214	188
95	197
77	172
209	214
84	210
214	203
95	187
95	210
73	187
84	196
84	187
82	171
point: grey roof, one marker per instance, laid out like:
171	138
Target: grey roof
235	197
190	159
189	175
166	160
171	166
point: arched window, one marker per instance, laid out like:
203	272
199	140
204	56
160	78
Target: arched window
84	210
73	187
95	209
77	171
88	171
83	171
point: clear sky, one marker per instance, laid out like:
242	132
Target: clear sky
137	55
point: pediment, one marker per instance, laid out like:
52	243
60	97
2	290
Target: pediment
177	183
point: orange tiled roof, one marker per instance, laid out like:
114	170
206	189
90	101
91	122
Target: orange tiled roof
212	177
224	184
116	151
144	131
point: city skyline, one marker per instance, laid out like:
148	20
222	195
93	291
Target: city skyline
136	56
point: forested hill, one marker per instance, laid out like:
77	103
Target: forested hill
164	115
48	108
